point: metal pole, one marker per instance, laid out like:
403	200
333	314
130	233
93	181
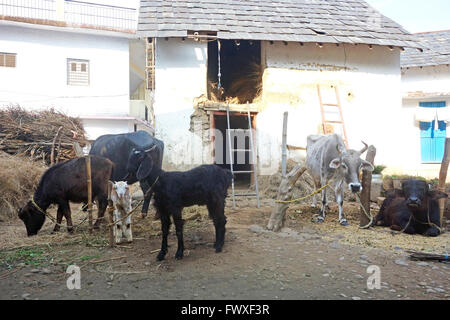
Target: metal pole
230	147
253	152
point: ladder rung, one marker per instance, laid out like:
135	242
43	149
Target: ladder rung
245	195
242	150
337	122
239	172
330	105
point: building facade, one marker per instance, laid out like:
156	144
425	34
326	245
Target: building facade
199	53
57	56
426	101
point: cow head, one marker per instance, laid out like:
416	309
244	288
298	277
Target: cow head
140	163
417	192
349	164
120	195
32	218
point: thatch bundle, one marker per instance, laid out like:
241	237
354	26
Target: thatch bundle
18	180
46	135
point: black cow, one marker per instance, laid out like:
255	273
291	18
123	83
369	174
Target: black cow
204	185
64	182
119	147
414	209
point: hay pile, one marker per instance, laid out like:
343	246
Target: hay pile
18	180
47	135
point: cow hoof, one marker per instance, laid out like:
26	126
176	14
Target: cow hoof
161	256
320	220
179	255
344	223
143	215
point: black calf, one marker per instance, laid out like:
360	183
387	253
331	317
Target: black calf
204	185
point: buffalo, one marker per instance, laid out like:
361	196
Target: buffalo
119	147
414	209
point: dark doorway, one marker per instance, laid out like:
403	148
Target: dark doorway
240	68
242	160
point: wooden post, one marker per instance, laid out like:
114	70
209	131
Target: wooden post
366	185
278	216
443	177
284	145
89	190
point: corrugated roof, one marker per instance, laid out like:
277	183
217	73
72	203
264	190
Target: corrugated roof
328	21
436	50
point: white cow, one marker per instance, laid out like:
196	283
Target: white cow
121	198
328	161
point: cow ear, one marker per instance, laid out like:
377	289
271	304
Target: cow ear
336	163
144	169
367	166
436	195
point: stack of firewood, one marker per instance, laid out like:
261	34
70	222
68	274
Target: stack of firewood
48	135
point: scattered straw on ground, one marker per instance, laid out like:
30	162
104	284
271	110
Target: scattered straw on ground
378	237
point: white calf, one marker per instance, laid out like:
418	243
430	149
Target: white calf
121	198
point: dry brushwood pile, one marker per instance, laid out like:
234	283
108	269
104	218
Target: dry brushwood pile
48	135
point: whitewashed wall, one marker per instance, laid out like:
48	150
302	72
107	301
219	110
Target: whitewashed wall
180	77
370	90
40	77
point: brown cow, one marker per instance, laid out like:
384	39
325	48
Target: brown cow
64	182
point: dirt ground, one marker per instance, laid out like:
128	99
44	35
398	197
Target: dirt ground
304	261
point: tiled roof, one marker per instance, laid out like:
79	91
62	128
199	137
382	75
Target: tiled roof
328	21
436	51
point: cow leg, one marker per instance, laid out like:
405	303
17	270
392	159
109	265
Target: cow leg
340	201
117	228
102	204
165	226
179	222
59	216
68	215
321	217
314	198
145	187
432	232
216	212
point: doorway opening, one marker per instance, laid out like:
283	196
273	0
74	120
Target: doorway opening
242	158
240	68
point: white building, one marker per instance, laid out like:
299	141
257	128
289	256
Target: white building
75	57
285	50
426	101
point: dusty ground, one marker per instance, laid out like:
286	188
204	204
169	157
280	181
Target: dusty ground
306	261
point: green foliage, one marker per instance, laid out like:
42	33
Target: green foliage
378	169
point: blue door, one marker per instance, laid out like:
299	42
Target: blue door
432	140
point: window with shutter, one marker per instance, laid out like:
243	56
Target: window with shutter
7	60
77	72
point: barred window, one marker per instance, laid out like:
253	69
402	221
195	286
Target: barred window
77	72
7	60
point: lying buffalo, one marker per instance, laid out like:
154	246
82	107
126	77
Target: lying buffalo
119	147
64	182
414	209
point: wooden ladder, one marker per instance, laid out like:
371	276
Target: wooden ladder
326	122
252	153
150	63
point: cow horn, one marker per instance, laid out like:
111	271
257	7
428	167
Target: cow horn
151	149
366	147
